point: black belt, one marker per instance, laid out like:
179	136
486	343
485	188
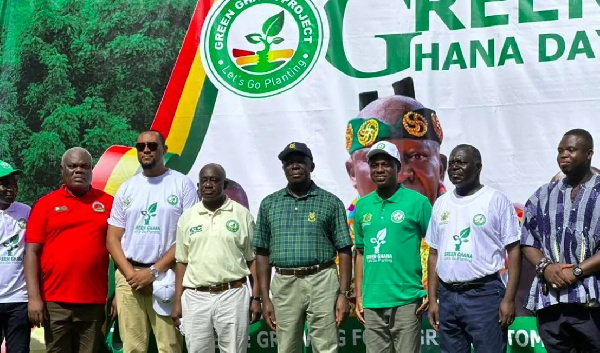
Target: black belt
303	271
476	283
138	264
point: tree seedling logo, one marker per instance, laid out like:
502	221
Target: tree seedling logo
379	240
461	238
265	60
149	213
12	244
261	48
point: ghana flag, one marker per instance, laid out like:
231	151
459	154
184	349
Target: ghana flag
183	115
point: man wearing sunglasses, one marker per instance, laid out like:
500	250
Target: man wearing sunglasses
141	240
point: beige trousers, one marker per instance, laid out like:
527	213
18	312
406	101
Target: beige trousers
137	317
312	297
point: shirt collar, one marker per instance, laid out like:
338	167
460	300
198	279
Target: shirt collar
67	193
226	206
562	183
9	209
312	191
394	198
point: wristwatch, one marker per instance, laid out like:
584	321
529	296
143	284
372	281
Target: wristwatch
154	271
577	271
345	293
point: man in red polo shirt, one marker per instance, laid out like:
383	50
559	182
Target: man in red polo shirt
66	240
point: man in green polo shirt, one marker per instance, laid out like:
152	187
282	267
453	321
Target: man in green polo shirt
300	230
389	225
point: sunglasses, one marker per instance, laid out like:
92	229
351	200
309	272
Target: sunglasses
141	146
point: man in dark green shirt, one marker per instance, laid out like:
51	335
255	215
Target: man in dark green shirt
389	224
300	230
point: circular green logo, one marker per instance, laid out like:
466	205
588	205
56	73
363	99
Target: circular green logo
479	219
232	226
173	200
261	48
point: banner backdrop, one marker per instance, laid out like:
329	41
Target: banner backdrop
244	78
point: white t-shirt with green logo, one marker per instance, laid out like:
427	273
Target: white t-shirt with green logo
12	240
471	232
148	209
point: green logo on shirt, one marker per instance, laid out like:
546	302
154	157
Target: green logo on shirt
196	229
479	219
367	218
397	216
445	216
173	200
12	244
462	238
127	202
149	213
22	223
232	226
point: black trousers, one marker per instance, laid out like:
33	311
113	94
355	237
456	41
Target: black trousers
569	328
15	327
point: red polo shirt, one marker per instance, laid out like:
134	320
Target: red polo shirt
74	259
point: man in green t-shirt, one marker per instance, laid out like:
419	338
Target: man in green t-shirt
389	225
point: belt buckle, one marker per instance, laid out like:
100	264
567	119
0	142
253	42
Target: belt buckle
214	288
301	271
459	285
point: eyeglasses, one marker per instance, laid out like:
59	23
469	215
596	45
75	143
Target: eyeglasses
141	146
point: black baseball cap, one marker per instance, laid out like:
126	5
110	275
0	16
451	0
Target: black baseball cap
297	147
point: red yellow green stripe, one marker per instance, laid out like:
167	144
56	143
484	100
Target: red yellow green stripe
183	116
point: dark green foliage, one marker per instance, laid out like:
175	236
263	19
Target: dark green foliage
88	73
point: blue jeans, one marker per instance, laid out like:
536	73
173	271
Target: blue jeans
470	316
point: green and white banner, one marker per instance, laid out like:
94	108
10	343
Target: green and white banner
235	81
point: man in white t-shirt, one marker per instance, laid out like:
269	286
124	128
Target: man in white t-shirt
470	232
14	322
141	240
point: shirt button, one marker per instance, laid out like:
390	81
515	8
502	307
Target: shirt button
296	208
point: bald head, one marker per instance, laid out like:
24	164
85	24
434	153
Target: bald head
213	167
76	169
212	184
75	151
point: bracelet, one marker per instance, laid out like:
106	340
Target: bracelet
541	266
258	299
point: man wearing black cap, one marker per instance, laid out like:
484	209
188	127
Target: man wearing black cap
300	230
389	225
14	323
